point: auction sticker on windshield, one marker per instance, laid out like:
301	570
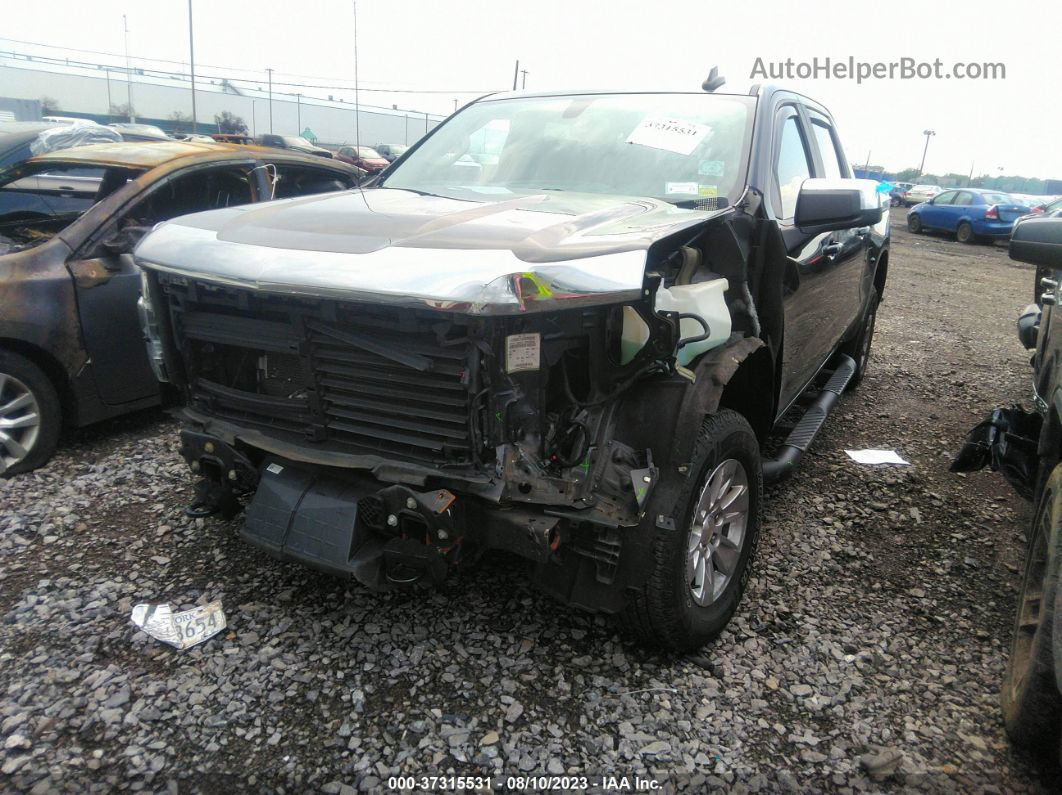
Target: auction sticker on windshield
672	135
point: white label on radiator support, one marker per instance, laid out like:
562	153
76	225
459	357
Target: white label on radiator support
522	352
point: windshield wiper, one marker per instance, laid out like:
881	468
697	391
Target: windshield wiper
705	203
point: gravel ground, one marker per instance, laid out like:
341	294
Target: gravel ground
867	654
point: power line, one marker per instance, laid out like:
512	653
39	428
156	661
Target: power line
62	61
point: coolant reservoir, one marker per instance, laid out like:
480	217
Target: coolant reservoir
704	299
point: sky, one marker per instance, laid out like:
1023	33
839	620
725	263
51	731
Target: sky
450	50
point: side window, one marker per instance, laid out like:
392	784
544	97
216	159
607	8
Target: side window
948	197
964	198
793	166
298	180
202	189
831	162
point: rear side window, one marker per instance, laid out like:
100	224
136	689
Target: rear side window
964	198
793	167
827	150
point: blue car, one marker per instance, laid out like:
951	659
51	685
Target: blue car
971	214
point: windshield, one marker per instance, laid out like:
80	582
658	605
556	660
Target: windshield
368	152
297	140
675	147
997	198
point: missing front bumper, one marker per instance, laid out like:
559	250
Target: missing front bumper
1005	441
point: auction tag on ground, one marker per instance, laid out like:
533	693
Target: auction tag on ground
672	135
180	630
522	352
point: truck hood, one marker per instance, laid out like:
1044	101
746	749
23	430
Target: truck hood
486	255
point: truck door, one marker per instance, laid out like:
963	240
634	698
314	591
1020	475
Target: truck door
108	281
852	273
808	292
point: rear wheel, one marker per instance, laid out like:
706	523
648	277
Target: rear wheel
1032	706
699	568
965	233
29	415
859	346
914	224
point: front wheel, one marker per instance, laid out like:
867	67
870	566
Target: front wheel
965	233
699	567
29	415
1032	706
914	224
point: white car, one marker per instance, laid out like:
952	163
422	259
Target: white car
921	193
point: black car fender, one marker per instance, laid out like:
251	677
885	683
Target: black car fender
662	415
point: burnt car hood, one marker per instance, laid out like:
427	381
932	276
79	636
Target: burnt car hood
486	255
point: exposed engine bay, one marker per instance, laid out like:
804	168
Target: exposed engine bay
444	432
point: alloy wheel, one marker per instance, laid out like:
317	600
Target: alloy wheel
20	421
717	531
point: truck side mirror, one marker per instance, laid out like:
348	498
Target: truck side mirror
827	204
1037	241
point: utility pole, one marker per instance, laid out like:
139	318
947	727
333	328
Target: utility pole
866	167
357	97
969	179
191	61
270	99
516	74
128	72
298	112
455	104
928	134
523	84
107	72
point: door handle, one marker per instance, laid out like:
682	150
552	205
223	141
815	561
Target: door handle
863	230
831	249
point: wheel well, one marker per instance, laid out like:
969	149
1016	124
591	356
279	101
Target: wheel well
55	372
750	392
881	274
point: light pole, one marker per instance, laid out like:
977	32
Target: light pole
107	72
270	100
191	61
516	74
128	72
357	94
298	113
523	80
928	134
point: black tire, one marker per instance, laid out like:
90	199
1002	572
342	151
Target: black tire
965	234
859	346
914	223
1032	706
19	375
665	614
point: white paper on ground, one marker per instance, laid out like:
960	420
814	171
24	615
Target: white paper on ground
876	457
180	630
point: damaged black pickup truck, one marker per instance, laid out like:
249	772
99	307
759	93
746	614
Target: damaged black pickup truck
561	325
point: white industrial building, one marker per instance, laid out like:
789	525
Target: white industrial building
84	91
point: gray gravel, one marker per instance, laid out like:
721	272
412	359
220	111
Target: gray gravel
867	654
